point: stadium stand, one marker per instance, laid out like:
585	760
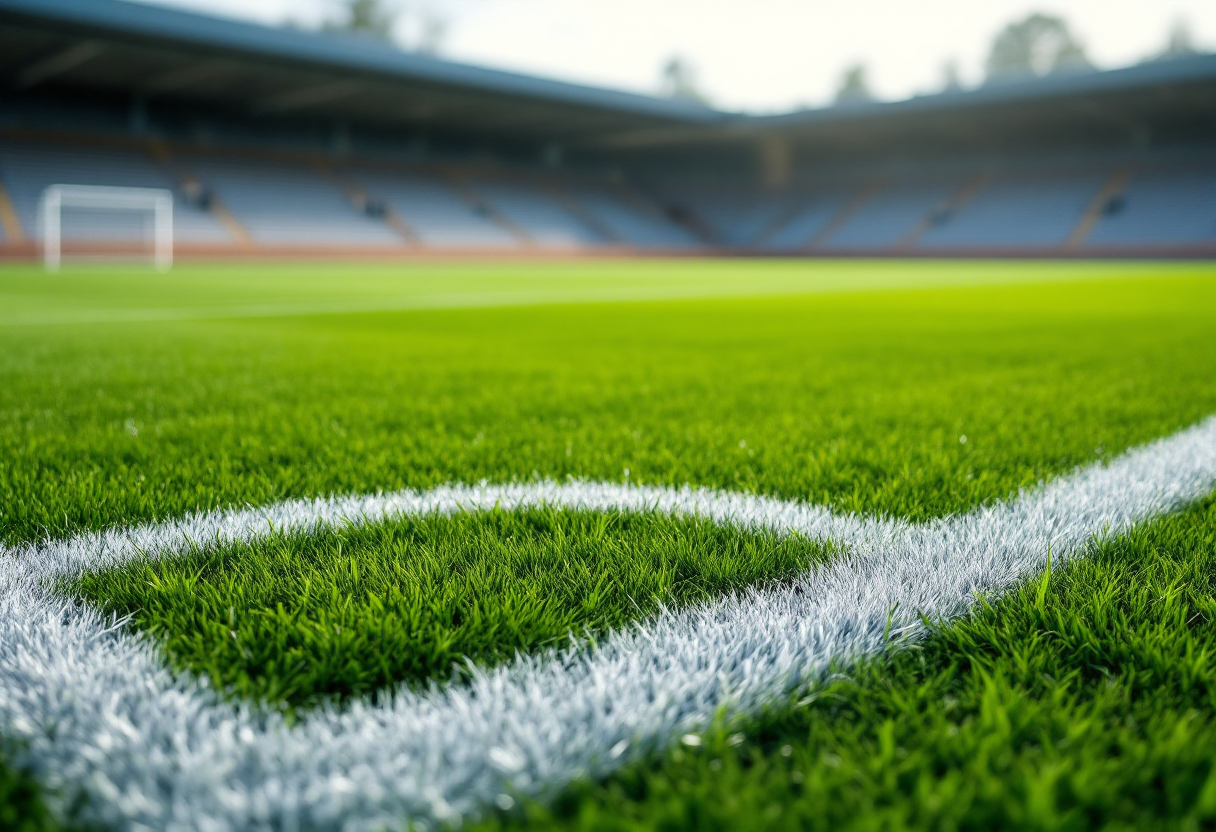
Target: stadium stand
631	220
888	215
730	214
1028	208
1165	205
810	218
282	141
435	210
28	168
280	203
535	216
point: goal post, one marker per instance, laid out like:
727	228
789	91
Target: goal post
154	201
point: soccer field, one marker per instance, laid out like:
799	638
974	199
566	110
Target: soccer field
644	545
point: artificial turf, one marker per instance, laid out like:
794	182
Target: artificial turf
1084	700
915	402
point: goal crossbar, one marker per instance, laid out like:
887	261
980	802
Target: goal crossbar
105	197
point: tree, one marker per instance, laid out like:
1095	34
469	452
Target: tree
679	81
434	31
414	24
1180	42
1038	45
854	86
952	79
370	17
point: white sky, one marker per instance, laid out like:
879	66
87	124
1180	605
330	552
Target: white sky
756	55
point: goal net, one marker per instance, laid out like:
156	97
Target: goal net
94	221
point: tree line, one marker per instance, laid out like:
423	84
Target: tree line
1036	45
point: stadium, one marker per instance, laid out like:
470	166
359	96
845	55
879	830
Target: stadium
279	142
388	442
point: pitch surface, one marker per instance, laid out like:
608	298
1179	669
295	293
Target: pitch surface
915	403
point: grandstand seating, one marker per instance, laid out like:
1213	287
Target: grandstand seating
1030	209
809	218
730	214
888	215
630	220
282	203
27	169
281	141
1161	206
536	216
434	209
1149	203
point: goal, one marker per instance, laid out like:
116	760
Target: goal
102	220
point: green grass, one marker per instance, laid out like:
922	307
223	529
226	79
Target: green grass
92	294
852	400
300	619
1091	705
22	807
228	394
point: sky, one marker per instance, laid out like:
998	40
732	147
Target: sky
754	55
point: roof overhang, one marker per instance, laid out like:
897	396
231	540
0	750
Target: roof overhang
1152	102
158	53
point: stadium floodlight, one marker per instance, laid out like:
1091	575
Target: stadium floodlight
156	201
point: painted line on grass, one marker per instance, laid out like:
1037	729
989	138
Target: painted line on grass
450	300
698	287
453	300
99	713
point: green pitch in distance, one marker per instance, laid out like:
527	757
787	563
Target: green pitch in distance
906	389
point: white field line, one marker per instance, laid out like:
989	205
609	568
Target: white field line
99	714
698	287
455	300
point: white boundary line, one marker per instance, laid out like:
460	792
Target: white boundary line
99	714
695	288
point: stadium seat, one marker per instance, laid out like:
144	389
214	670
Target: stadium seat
284	203
1164	205
28	168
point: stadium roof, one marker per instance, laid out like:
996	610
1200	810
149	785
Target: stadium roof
157	53
153	51
1160	100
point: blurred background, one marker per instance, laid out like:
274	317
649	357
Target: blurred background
400	127
765	56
